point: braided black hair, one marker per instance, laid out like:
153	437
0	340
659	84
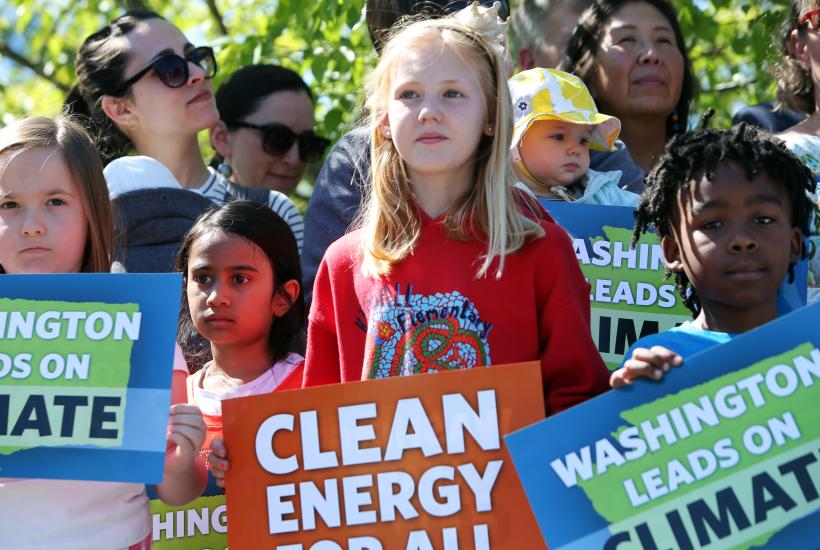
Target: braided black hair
693	155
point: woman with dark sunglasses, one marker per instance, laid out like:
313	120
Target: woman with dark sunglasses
147	89
265	137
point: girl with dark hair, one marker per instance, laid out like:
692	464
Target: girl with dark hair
145	87
265	137
632	56
241	293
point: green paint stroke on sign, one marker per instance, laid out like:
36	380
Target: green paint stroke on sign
628	290
64	371
199	525
725	440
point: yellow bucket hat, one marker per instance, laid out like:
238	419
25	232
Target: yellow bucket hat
550	94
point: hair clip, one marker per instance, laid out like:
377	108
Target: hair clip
485	22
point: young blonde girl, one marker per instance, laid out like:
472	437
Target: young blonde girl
55	217
450	268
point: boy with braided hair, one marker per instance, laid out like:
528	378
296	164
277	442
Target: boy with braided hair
732	209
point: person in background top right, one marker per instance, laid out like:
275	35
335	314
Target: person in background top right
732	210
798	86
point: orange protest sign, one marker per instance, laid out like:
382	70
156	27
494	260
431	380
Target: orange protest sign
413	462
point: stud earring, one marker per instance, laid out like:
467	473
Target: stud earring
225	169
489	130
675	121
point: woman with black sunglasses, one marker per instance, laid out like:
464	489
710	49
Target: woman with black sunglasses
145	88
265	137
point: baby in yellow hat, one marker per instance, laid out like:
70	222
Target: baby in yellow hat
556	124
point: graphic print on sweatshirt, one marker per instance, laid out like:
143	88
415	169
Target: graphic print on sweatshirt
412	333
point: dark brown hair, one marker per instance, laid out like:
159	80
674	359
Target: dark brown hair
586	40
795	86
100	68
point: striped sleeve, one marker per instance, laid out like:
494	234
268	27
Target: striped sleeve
281	204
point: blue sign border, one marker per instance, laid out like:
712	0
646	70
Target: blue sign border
141	456
566	515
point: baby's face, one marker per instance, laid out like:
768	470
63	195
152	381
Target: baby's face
556	152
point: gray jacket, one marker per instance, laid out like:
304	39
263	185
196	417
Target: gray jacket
150	225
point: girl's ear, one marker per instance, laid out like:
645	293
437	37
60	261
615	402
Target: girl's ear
118	109
384	128
799	50
219	139
671	254
283	300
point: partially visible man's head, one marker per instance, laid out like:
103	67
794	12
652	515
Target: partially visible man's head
540	30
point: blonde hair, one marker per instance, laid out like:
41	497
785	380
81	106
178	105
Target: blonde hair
83	162
489	211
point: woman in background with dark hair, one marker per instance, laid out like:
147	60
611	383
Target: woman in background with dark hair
265	135
146	88
798	87
632	56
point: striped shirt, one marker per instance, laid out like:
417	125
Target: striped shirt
218	189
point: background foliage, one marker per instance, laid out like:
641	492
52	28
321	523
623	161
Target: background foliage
732	44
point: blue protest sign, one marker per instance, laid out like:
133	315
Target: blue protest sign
725	451
85	375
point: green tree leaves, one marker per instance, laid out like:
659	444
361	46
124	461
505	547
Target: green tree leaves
732	44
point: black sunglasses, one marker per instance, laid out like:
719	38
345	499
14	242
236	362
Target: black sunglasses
172	69
435	8
277	139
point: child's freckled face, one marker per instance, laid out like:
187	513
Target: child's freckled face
734	239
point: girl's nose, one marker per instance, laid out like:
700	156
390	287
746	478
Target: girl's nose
33	225
430	111
219	296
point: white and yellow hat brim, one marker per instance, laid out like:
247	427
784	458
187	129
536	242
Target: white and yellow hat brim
550	94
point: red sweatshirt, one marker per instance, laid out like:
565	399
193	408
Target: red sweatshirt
431	313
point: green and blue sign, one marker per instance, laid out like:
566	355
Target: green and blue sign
723	452
85	375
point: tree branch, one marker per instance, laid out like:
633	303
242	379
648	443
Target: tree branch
217	17
732	85
20	59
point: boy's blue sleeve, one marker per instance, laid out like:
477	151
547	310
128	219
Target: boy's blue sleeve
685	341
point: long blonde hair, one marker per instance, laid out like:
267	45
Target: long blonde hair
489	211
84	165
